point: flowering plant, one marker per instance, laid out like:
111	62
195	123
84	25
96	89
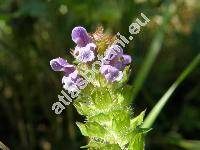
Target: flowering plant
103	98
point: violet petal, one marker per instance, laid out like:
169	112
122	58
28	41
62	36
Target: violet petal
111	73
85	54
80	36
58	64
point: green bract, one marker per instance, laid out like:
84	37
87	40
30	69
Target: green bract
110	123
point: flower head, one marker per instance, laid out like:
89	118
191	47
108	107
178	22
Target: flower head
86	50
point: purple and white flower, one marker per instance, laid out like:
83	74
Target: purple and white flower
113	51
60	64
111	73
69	84
112	66
73	84
85	54
80	36
116	61
85	50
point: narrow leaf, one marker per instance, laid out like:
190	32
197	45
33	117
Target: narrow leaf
153	51
161	103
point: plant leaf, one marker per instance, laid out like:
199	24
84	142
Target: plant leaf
153	51
101	146
137	121
161	103
92	129
137	142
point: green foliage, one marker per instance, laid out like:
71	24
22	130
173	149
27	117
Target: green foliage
35	8
137	121
109	122
137	143
153	51
92	129
161	103
98	146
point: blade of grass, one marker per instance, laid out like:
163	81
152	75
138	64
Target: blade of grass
161	103
153	51
189	144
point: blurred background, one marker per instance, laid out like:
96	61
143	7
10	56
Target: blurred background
32	32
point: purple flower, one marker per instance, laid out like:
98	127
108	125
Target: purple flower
121	62
80	36
69	84
113	52
111	73
126	59
114	56
85	50
85	54
115	62
60	64
73	83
